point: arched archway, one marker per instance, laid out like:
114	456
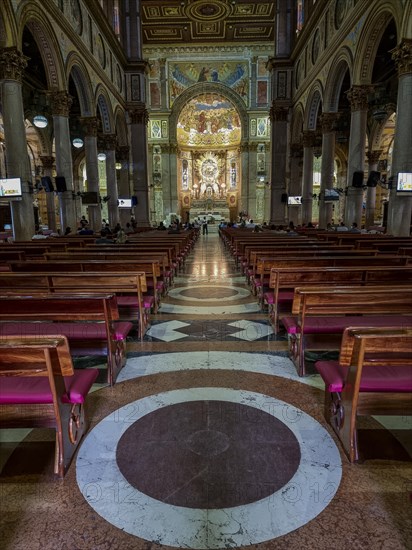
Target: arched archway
208	125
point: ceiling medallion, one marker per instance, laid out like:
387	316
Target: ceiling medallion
208	11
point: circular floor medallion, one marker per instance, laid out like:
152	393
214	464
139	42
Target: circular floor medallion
211	293
302	498
208	454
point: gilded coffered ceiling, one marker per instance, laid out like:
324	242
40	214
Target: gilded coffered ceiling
196	21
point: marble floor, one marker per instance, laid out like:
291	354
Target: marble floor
209	439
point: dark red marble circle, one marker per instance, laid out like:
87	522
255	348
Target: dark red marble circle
209	293
208	454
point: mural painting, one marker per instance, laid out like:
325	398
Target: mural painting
230	73
208	120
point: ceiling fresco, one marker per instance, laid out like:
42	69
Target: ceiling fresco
209	120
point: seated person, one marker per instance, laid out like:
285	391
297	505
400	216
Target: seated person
103	239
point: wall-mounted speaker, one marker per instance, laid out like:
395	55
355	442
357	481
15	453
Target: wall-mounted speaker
284	197
60	184
47	184
134	200
373	179
357	179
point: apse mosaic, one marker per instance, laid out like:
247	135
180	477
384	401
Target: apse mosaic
209	120
234	74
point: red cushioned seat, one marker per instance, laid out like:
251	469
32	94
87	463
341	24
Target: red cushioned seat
36	390
131	301
374	379
73	331
269	297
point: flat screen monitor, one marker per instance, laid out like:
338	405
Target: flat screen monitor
331	195
125	203
10	188
294	200
404	183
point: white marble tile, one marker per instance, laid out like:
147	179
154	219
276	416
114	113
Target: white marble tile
250	331
220	360
308	492
209	310
168	331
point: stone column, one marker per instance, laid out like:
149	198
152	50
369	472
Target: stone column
109	142
139	119
123	185
245	183
400	208
253	81
92	170
48	163
328	121
61	102
279	140
358	98
308	144
172	205
373	158
295	185
12	65
163	84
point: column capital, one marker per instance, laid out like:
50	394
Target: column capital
278	113
12	64
374	156
122	152
47	161
402	55
90	125
244	147
328	122
358	97
308	138
139	115
109	141
61	101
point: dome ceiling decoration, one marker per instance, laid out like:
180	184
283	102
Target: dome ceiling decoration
195	21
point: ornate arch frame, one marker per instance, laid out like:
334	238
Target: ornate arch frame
102	102
76	68
315	99
208	87
341	63
44	35
369	40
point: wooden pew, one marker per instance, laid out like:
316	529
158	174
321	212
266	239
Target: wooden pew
90	322
166	269
320	315
284	280
40	389
128	287
151	269
261	280
373	376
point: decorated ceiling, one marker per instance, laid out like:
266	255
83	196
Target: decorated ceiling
196	21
